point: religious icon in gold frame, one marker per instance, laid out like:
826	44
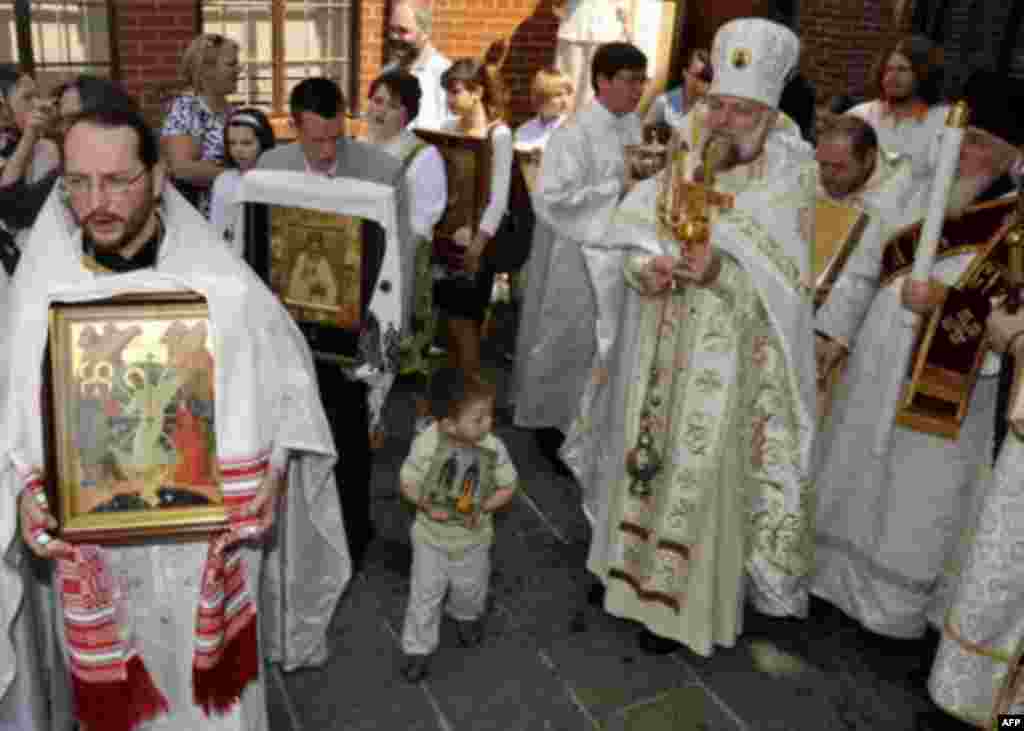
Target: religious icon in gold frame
467	165
316	265
129	406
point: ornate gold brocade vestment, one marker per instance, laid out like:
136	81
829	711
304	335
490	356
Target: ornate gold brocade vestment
721	378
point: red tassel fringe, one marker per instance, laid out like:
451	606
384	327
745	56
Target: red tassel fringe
219	688
119	706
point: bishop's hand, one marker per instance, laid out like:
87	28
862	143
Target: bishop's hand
699	264
659	274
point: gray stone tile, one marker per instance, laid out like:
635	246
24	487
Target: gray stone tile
687	708
774	689
503	685
606	670
359	687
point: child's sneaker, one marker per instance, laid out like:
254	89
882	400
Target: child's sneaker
470	633
416	667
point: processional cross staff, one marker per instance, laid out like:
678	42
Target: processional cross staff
684	209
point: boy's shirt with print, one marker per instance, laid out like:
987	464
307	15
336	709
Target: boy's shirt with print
458	479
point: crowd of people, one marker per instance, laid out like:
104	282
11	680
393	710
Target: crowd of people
739	429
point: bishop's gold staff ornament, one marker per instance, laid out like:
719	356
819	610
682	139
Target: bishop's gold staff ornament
684	209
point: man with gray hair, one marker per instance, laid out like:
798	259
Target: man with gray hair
409	31
693	448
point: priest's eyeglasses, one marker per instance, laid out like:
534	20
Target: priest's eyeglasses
81	186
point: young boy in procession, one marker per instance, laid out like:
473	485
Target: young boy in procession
457	474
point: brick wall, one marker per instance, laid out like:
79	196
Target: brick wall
840	41
524	29
152	34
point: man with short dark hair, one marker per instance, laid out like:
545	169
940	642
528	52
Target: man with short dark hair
394	102
586	25
128	614
317	108
409	29
582	179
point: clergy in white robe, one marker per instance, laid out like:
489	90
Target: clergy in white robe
584	26
892	500
855	172
907	115
713	378
581	181
268	414
983	631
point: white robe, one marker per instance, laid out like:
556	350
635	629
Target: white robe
984	627
587	24
578	189
266	397
892	501
224	209
916	139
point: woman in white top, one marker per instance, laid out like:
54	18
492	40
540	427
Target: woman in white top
247	135
477	98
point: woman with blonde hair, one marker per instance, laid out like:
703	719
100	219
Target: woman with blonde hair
551	96
193	133
477	98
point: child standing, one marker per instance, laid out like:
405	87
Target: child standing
457	474
247	135
551	97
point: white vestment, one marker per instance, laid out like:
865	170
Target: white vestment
916	138
892	501
577	191
534	133
735	497
224	208
985	625
266	402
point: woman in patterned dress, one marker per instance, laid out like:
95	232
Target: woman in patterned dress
193	133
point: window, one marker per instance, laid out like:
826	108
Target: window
282	42
59	38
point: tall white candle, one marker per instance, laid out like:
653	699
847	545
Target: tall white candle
949	159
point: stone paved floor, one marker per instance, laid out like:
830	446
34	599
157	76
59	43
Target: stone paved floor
551	662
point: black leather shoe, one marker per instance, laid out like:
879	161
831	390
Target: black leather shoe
416	667
654	644
471	633
595	595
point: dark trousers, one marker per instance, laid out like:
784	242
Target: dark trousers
345	404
